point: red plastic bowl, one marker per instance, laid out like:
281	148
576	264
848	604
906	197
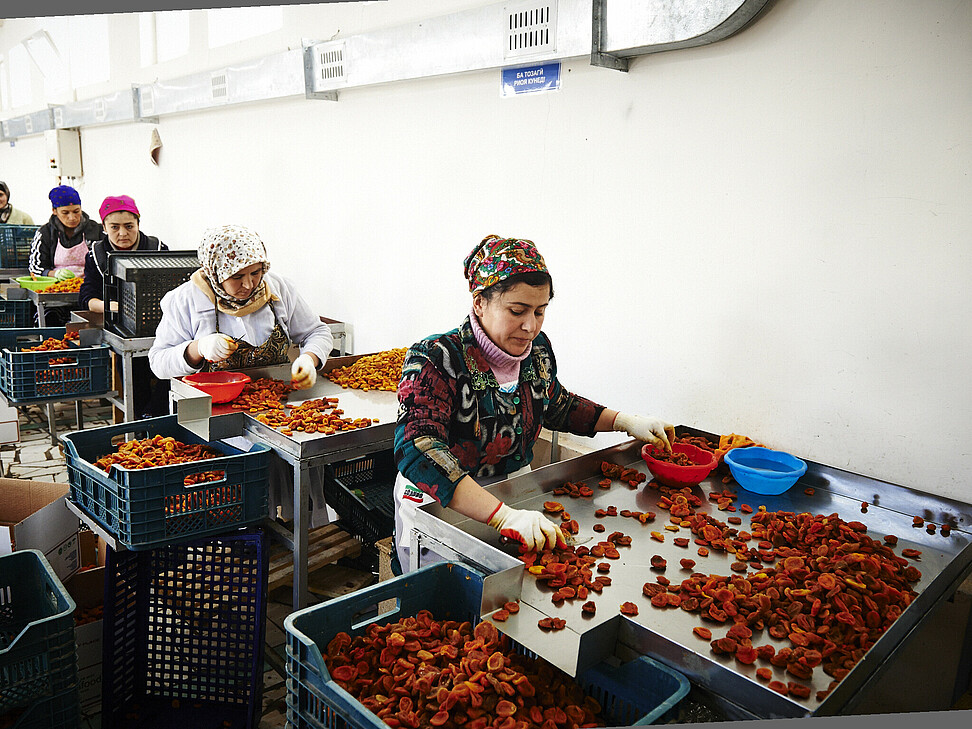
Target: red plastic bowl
221	386
676	476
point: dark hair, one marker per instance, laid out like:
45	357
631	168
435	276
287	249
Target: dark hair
530	278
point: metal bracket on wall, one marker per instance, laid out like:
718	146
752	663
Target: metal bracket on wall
599	57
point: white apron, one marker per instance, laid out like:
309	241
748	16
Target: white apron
408	498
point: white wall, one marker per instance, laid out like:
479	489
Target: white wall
769	235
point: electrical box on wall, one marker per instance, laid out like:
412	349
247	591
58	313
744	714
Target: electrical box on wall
64	152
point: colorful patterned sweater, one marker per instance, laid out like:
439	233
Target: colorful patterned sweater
454	421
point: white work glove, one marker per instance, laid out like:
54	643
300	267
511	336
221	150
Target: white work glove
303	373
62	274
647	428
215	347
531	528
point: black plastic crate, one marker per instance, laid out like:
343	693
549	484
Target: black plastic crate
137	281
37	648
184	634
16	313
152	507
15	243
361	491
53	374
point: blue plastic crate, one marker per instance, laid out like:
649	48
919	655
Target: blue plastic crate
61	711
37	650
151	507
30	376
16	313
15	243
184	634
641	691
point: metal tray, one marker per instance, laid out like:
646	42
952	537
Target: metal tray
667	634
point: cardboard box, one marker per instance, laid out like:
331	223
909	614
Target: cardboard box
88	590
33	515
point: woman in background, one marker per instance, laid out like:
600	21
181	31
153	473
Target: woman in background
235	314
120	219
9	215
61	244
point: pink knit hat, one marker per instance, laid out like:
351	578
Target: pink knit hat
122	203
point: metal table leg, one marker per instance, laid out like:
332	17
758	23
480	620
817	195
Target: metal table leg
301	527
128	386
52	423
40	315
77	413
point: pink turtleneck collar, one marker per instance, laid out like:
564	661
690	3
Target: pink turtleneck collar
506	367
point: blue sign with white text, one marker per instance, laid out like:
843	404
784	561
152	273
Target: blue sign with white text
527	79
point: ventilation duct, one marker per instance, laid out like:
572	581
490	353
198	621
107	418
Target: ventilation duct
535	31
108	109
609	32
36	122
271	77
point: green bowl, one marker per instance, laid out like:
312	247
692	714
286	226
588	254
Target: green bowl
35	284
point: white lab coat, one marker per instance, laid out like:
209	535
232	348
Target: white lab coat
187	314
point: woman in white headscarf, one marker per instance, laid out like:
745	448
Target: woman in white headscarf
235	314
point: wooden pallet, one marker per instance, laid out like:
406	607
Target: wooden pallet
325	545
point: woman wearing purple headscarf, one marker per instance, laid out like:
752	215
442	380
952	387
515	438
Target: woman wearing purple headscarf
473	400
60	244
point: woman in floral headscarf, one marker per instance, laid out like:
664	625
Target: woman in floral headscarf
473	400
234	313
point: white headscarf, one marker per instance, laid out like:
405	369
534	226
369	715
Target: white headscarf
227	250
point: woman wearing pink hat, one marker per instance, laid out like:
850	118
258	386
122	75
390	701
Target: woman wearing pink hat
120	218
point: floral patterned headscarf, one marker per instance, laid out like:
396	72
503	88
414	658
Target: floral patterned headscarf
227	250
496	259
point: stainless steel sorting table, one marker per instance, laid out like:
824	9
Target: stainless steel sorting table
306	451
127	349
43	301
666	635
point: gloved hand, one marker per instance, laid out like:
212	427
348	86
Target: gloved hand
531	528
62	274
303	373
215	347
647	428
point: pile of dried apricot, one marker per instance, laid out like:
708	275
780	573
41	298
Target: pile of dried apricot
422	672
313	416
380	371
67	286
263	393
51	343
156	451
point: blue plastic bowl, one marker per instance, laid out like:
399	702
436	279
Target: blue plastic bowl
764	471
